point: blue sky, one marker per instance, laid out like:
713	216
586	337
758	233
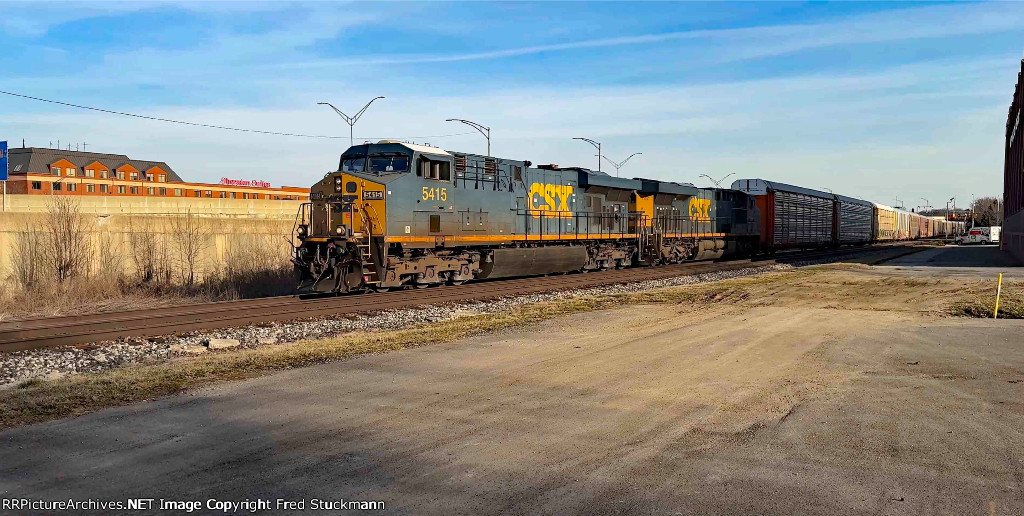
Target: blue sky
875	100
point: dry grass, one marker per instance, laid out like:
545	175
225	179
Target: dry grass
155	263
980	302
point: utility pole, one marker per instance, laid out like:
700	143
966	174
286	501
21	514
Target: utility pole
718	183
595	144
619	165
350	120
484	130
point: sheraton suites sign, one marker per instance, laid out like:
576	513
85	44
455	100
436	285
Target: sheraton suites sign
255	183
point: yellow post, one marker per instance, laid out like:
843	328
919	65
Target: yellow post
999	290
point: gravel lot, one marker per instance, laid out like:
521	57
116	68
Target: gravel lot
844	391
50	363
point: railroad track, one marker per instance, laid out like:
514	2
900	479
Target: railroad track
43	332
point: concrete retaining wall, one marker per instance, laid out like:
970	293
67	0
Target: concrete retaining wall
114	240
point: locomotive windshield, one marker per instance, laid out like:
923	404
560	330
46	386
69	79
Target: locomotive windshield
357	164
379	163
389	163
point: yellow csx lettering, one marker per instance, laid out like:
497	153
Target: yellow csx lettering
700	209
552	198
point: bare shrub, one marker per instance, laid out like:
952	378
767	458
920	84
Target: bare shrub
191	239
111	258
256	264
66	245
27	257
150	255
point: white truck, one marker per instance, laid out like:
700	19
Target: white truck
979	235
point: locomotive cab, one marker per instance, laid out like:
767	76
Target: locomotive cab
341	232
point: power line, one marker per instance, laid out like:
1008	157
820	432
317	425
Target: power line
211	126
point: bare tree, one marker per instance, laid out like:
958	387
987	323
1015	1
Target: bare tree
191	239
988	211
67	247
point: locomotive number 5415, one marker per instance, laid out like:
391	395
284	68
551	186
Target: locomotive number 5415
435	194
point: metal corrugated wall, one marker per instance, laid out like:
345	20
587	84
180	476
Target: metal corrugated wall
1012	237
855	222
802	219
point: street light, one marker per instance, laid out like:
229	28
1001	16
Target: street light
927	204
595	144
719	182
619	165
484	130
350	120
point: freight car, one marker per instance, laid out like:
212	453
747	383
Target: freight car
797	217
396	214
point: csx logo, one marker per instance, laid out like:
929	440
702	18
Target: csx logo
700	209
555	198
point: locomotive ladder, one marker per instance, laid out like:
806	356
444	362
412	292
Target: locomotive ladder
367	251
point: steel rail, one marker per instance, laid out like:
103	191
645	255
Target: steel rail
104	326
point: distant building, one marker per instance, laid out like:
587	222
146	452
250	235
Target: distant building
1012	238
40	171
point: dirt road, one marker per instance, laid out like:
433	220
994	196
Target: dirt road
814	396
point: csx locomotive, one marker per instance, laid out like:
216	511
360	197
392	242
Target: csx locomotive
398	214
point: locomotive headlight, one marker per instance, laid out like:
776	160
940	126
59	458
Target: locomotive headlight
337	185
301	231
341	229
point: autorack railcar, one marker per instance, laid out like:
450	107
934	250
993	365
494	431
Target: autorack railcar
797	217
396	214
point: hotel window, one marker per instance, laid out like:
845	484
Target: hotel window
222	195
149	177
90	172
163	178
104	174
91	188
37	185
163	191
177	192
71	172
120	175
134	190
209	193
103	189
120	189
134	176
54	171
150	191
56	187
72	187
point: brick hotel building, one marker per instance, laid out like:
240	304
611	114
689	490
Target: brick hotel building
42	171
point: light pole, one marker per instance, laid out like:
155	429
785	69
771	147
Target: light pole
718	183
619	165
484	130
926	203
595	144
350	120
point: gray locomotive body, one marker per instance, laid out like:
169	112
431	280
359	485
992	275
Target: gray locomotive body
398	214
